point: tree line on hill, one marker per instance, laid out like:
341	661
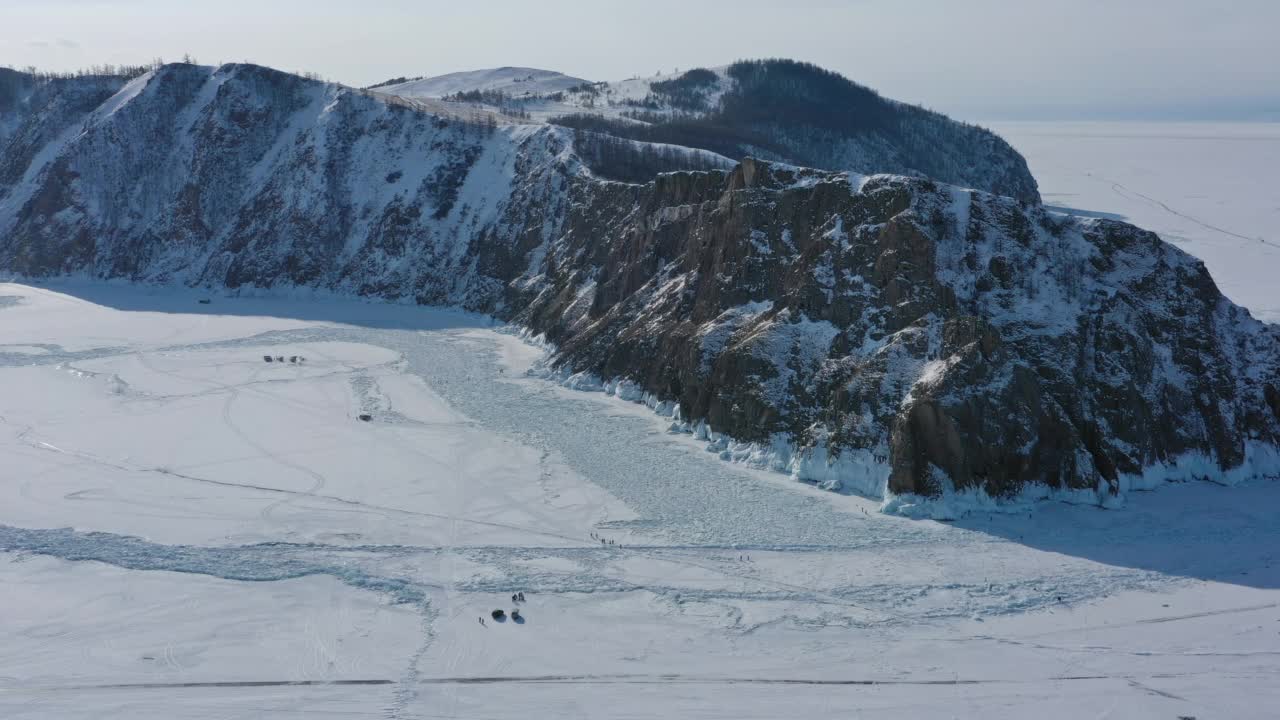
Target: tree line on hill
615	158
798	112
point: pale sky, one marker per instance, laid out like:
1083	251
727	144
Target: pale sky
976	59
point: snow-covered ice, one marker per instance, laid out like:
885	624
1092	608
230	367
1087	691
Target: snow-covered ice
188	531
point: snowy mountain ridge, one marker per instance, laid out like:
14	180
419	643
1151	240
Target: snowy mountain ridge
779	110
516	81
880	334
547	93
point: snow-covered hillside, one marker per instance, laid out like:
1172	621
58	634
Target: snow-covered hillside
514	81
616	99
244	175
546	93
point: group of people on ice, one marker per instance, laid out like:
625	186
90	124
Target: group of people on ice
602	540
501	616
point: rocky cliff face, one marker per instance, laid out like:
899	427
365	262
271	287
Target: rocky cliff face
923	340
885	335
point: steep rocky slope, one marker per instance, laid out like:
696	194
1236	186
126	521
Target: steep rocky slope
34	114
887	335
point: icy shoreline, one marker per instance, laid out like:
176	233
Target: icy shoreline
861	472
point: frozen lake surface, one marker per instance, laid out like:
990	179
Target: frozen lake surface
189	531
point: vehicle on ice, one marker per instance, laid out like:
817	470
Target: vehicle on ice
498	614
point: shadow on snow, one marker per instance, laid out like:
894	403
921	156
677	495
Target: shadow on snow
302	305
1195	530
